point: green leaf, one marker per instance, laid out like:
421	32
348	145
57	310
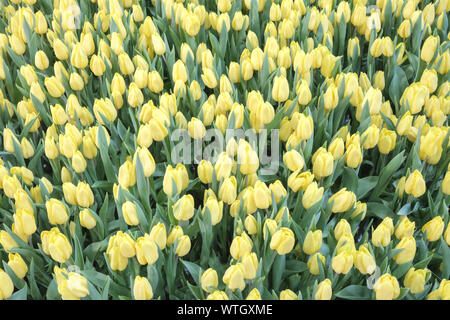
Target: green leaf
194	269
365	185
20	295
387	173
446	259
354	292
379	210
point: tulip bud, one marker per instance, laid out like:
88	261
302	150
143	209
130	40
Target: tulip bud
343	200
313	242
209	280
146	250
240	246
429	48
129	213
56	245
293	160
415	184
87	220
158	235
342	262
364	261
312	195
6	285
56	211
280	89
85	196
434	228
142	290
234	277
323	291
313	263
415	280
386	287
17	264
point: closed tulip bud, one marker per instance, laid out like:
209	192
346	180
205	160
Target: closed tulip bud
250	263
313	242
379	82
364	261
353	156
233	72
215	209
278	190
251	225
125	64
246	69
56	245
381	235
342	262
386	141
159	235
56	211
322	164
376	49
174	234
70	193
404	30
341	228
142	290
184	246
205	171
353	50
78	57
54	87
209	280
87	220
429	48
312	195
191	24
404	124
127	174
429	79
254	295
386	287
130	213
446	183
196	128
336	148
146	250
78	162
415	184
313	263
247	158
179	71
405	228
17	264
85	197
158	44
6	285
370	137
41	60
331	98
324	290
304	127
240	246
154	82
434	228
7	241
299	180
146	159
288	295
293	160
183	209
76	82
415	280
343	200
217	295
234	277
280	89
282	241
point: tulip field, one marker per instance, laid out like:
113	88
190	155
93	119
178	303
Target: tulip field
224	150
